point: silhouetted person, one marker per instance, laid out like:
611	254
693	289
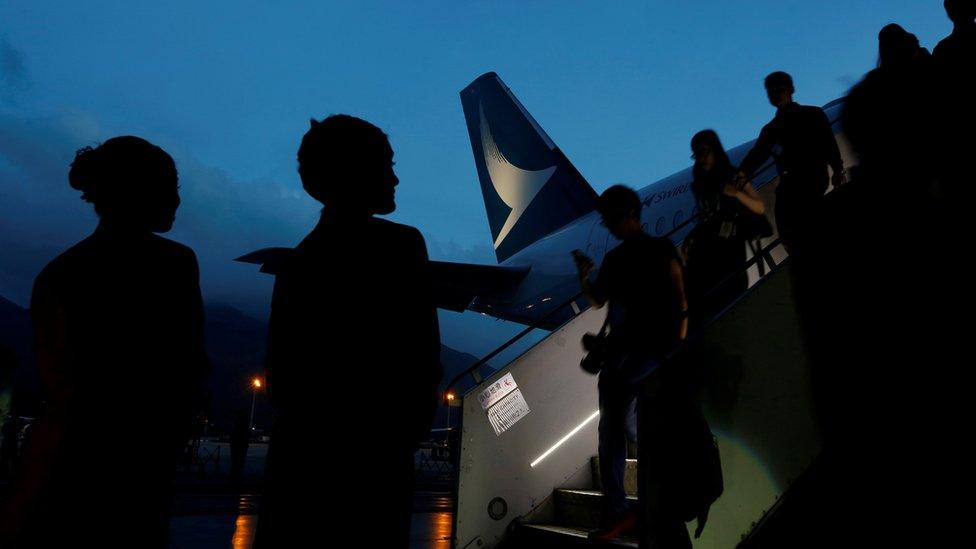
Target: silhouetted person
895	117
716	248
955	57
8	446
9	428
642	281
879	307
240	438
801	142
352	321
958	50
118	325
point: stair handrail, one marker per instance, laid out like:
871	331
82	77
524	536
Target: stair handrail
763	254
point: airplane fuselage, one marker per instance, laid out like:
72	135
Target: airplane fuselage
540	208
667	206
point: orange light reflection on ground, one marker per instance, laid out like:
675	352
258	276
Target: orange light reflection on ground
441	530
244	528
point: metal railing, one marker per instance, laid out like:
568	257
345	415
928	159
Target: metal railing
763	254
473	369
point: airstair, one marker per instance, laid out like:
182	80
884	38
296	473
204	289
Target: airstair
527	474
526	462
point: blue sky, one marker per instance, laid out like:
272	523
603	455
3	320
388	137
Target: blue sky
228	87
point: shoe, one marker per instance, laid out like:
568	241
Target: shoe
626	523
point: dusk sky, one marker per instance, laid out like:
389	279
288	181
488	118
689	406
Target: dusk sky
227	88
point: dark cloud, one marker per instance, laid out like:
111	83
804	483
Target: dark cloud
223	218
220	218
13	72
39	214
449	250
847	80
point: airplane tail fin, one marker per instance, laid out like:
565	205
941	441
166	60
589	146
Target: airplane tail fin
529	186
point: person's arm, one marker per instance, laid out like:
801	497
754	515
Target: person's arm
758	155
833	151
746	194
426	335
593	290
678	281
281	334
432	332
39	457
197	354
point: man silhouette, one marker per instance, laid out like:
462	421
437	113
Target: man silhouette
959	48
642	281
352	317
954	57
871	306
801	142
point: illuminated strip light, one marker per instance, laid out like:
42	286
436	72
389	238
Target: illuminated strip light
564	439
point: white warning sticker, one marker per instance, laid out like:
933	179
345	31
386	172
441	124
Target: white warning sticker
508	411
497	391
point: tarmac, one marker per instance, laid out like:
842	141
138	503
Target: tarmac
211	512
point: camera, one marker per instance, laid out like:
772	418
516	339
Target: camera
596	352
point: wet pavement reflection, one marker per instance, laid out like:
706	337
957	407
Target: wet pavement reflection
225	520
243	532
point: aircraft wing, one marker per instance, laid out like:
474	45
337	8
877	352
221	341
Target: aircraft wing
271	260
455	285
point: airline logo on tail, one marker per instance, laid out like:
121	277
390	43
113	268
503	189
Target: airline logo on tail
529	187
515	186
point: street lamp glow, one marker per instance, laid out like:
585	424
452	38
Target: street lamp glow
450	396
256	383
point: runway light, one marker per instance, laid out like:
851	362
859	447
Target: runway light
564	439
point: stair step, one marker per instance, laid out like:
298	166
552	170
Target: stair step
580	508
630	475
549	535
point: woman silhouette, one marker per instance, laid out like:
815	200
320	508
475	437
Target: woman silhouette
118	326
716	248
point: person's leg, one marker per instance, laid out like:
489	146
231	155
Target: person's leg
631	420
668	532
403	511
660	528
799	205
784	216
631	429
614	407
